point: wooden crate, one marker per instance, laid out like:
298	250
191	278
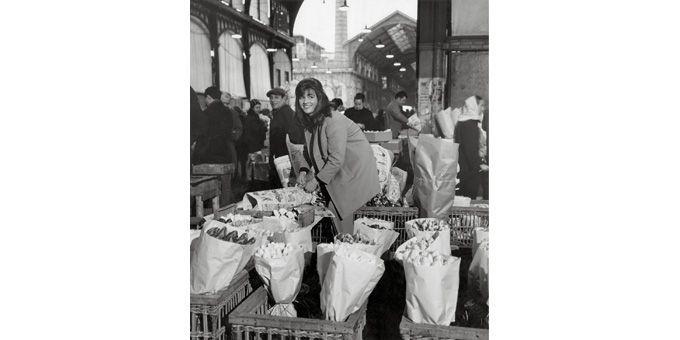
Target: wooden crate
463	220
376	137
251	321
398	215
410	330
209	312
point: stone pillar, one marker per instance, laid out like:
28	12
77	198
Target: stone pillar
340	30
433	23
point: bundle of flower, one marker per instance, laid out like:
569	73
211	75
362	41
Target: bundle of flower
431	228
237	220
217	254
431	287
379	230
281	267
336	263
359	241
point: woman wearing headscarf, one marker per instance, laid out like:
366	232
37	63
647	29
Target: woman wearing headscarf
338	152
471	139
254	134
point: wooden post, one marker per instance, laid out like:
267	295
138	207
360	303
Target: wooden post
199	206
215	203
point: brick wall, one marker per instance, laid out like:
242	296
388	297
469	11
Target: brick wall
470	77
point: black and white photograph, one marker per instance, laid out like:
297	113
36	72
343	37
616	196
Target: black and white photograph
339	169
338	180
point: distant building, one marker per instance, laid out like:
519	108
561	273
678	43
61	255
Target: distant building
306	48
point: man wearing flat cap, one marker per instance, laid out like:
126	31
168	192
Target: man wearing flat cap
283	123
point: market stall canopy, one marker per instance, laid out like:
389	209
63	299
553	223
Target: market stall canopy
397	32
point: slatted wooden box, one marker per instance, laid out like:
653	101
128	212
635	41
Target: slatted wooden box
209	312
251	321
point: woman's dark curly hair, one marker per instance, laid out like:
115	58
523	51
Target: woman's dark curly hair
322	110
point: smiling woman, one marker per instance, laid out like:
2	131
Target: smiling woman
338	159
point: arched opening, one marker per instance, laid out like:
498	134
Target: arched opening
282	70
231	65
201	62
259	72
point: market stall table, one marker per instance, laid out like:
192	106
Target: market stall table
204	188
224	173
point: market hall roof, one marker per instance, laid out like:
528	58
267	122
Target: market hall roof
397	32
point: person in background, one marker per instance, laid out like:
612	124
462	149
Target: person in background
471	140
217	145
282	124
198	123
379	121
335	147
361	115
253	137
394	117
337	105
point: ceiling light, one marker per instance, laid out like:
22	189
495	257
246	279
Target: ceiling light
314	65
344	6
328	71
403	69
296	59
236	36
212	53
379	44
389	56
366	29
271	49
361	39
397	64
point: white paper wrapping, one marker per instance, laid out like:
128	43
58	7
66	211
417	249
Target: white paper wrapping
432	292
284	169
276	198
479	235
478	273
446	122
213	262
383	238
383	161
301	236
282	277
442	239
400	176
352	274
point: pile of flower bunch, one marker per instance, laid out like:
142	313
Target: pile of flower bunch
431	225
355	238
236	220
425	258
381	200
233	236
415	246
274	250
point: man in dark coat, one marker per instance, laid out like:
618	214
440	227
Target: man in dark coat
282	123
198	123
360	114
394	117
217	145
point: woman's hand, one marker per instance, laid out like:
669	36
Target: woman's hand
302	178
483	168
311	185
